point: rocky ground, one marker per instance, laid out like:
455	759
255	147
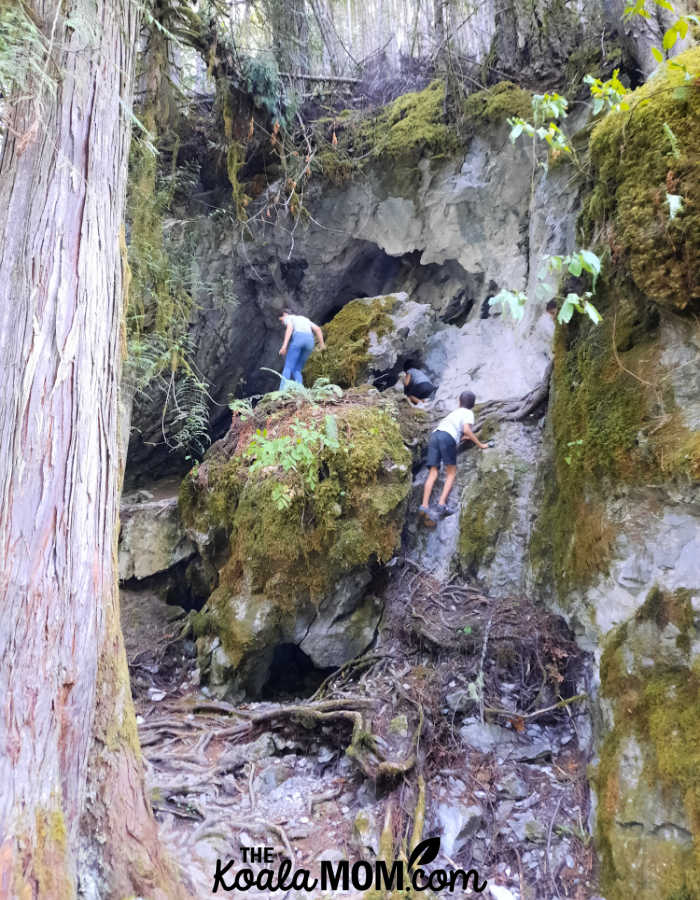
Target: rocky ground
453	725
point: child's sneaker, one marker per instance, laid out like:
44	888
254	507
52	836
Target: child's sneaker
444	510
425	516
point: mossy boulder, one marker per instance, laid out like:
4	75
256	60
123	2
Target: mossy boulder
638	158
371	336
495	105
296	571
648	827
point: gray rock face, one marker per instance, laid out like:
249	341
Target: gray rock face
152	539
449	239
341	628
413	323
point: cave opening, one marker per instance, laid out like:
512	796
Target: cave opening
292	674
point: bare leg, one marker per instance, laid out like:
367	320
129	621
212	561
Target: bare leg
413	400
429	482
450	473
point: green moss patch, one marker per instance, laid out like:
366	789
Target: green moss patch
496	104
414	126
485	515
638	156
345	361
601	416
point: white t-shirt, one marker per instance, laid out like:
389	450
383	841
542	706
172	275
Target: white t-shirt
455	422
298	323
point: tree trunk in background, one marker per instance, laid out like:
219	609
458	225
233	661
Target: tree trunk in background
72	801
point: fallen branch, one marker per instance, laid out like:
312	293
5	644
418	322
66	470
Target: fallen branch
334	79
538	712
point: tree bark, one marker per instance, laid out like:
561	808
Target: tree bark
73	811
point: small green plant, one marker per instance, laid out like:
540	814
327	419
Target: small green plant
607	95
573	450
242	408
297	455
576	264
475	688
161	369
673	141
513	301
546	109
24	52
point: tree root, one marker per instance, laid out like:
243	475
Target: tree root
516	409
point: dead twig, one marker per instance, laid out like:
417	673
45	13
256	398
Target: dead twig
537	712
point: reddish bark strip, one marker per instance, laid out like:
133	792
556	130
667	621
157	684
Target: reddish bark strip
70	769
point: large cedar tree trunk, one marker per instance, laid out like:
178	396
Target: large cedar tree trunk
73	812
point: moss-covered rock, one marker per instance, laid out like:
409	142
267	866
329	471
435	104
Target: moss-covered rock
411	126
648	827
495	105
486	513
415	126
296	572
345	361
638	157
372	337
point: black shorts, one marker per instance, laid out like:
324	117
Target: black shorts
441	448
420	391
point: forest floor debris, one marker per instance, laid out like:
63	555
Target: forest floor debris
467	721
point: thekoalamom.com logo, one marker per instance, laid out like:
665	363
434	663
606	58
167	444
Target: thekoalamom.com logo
342	876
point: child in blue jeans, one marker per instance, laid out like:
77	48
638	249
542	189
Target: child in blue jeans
297	345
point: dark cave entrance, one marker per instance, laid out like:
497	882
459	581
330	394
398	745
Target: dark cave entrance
292	674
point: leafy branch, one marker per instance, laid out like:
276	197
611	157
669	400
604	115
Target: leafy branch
575	264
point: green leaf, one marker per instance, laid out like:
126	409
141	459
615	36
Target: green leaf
513	301
575	266
657	54
555	263
591	261
675	205
566	312
592	312
670	37
516	131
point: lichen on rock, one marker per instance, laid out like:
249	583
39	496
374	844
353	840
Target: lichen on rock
647	777
294	574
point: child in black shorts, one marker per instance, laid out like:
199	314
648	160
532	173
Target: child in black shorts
442	447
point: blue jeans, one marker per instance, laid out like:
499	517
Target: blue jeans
298	352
